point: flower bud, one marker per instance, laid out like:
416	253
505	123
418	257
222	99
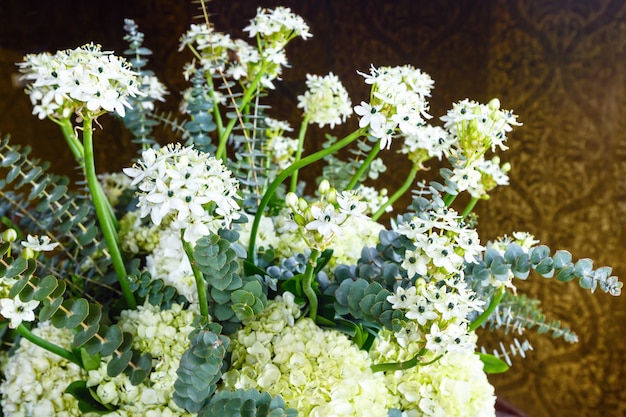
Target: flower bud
291	200
494	104
324	187
28	253
331	196
302	204
9	235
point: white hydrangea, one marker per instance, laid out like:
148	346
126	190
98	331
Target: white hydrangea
82	79
319	372
326	101
164	334
35	379
455	385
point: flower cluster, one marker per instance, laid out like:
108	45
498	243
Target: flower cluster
35	380
163	334
180	183
453	385
326	101
82	79
206	280
397	104
320	222
319	372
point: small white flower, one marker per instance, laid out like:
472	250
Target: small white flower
18	311
39	243
326	221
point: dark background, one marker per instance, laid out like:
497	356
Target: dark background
558	64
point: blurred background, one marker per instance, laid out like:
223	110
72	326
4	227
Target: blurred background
559	64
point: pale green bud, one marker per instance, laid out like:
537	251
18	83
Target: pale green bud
324	187
9	235
494	104
28	253
291	200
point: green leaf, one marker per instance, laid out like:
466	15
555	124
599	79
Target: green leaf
49	308
90	361
118	363
492	364
73	313
88	401
45	287
93	325
15	269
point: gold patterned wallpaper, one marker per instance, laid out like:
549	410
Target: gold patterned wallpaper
559	64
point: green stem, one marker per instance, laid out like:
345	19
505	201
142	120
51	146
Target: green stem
485	314
399	192
298	156
103	211
448	199
197	274
72	141
216	108
271	189
399	366
44	344
470	206
307	284
366	163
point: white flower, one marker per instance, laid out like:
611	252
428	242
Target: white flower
82	78
18	311
39	243
326	101
326	221
178	183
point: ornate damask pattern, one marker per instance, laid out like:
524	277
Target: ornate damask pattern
558	63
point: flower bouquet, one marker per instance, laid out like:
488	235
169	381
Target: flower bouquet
209	279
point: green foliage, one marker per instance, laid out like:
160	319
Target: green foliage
88	401
519	263
200	368
232	298
518	312
79	315
39	203
155	291
249	403
138	118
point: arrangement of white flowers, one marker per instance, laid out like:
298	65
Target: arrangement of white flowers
204	280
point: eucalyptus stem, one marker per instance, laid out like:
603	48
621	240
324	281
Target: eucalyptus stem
364	165
399	192
271	189
220	153
307	283
470	206
485	314
298	156
197	274
49	346
104	213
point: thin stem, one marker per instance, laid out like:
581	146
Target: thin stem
307	283
366	163
44	344
271	189
470	206
298	156
197	274
485	314
103	212
398	366
399	192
